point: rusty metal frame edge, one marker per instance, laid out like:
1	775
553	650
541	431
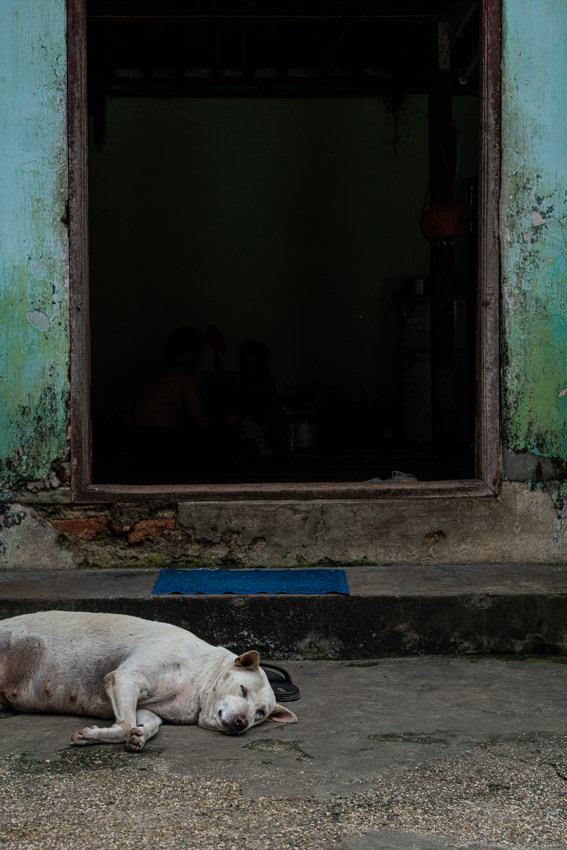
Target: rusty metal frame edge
78	248
314	491
487	465
487	436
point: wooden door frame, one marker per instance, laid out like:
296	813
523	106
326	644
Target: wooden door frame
487	432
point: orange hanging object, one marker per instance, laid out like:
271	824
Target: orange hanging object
441	222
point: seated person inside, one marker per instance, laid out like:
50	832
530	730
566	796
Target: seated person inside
163	412
251	404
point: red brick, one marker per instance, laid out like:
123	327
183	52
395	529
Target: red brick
148	529
85	528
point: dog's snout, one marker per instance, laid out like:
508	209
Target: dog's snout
236	724
240	722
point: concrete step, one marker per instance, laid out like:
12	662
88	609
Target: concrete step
439	609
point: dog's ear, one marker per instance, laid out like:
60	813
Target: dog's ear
250	660
282	715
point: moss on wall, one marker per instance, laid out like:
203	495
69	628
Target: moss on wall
534	228
34	331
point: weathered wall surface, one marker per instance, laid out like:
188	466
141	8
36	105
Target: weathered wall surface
526	523
34	330
521	526
534	238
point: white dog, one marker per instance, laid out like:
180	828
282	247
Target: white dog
136	671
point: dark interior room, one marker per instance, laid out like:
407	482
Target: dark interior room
297	182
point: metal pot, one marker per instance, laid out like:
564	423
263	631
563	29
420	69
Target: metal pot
416	286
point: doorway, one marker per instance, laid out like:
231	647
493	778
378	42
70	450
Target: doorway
260	175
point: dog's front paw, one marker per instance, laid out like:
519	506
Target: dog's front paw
88	735
136	739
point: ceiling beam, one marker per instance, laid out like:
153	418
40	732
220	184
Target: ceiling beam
420	11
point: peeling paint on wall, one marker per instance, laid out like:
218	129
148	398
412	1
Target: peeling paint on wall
34	332
26	539
534	228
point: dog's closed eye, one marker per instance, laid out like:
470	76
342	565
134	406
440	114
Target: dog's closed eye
243	692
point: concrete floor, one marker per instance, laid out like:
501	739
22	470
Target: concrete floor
423	753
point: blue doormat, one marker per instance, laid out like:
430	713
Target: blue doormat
244	582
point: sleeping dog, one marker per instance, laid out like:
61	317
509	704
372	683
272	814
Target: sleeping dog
138	672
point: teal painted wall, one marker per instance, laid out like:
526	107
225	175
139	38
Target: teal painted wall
534	227
34	326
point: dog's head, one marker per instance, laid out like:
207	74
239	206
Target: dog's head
241	697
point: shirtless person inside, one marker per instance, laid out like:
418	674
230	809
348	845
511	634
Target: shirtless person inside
164	412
